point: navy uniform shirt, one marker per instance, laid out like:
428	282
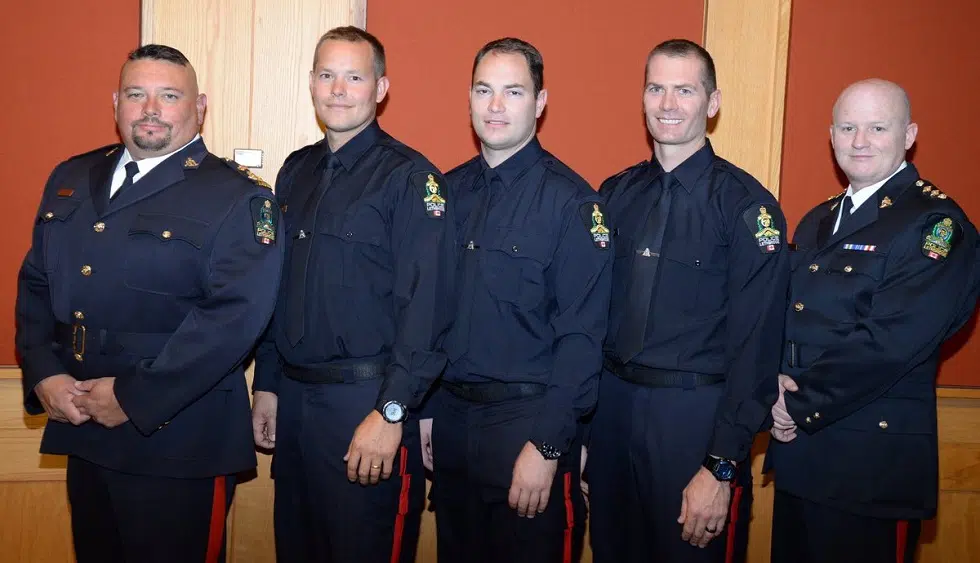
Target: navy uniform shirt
870	306
534	284
166	287
718	306
379	267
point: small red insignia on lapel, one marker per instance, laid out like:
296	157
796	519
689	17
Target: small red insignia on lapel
65	192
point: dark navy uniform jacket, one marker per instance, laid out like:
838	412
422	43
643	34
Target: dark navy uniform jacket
869	308
718	306
166	287
534	284
380	263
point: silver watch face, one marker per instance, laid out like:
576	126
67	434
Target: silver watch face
394	412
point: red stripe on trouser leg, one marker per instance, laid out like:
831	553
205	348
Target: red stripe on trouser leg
732	522
901	540
396	544
216	533
569	519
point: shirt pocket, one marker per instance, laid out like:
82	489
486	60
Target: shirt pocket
514	265
57	237
365	257
693	277
164	255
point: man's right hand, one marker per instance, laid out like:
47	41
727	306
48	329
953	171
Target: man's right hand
783	425
57	394
425	430
264	407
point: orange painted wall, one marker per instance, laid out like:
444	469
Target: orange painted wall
933	53
594	56
61	60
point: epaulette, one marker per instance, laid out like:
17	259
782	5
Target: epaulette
930	191
244	171
108	150
837	198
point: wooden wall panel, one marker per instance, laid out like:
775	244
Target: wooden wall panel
749	42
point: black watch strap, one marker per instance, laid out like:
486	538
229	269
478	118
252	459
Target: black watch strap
547	450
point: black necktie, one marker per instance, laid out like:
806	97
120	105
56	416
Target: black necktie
132	169
459	339
845	213
644	276
300	258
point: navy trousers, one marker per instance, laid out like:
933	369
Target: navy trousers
122	518
646	445
319	515
474	448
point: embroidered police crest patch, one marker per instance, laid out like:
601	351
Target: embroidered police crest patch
595	221
265	216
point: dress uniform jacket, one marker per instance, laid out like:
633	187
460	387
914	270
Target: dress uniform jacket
166	287
870	307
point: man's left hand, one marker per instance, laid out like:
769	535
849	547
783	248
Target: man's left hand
704	508
100	403
530	485
371	454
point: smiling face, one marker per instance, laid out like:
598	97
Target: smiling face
503	108
345	91
158	108
872	131
676	104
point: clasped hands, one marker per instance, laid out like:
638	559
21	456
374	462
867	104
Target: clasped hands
783	426
66	399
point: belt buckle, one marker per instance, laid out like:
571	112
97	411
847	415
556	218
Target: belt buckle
78	341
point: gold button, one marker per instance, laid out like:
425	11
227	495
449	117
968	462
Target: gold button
814	267
99	227
798	306
848	269
78	357
883	425
816	415
808	420
86	270
79	315
166	234
49	215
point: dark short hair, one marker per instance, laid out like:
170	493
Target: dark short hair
685	48
159	53
355	35
535	62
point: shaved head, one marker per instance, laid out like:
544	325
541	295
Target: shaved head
872	130
888	94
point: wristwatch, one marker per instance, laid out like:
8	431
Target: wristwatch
723	469
547	450
394	412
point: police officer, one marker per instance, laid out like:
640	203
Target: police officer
525	350
883	274
152	272
699	285
352	346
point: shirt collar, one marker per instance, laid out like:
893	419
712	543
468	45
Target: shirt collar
351	152
690	171
148	164
516	164
865	194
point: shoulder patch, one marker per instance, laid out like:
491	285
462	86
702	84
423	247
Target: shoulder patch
265	217
430	186
938	240
762	225
244	171
595	221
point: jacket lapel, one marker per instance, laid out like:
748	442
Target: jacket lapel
100	176
164	175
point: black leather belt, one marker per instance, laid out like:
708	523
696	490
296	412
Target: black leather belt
83	340
493	391
652	377
337	372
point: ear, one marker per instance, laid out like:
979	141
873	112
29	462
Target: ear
831	130
202	106
911	131
382	89
714	103
311	82
115	103
540	102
